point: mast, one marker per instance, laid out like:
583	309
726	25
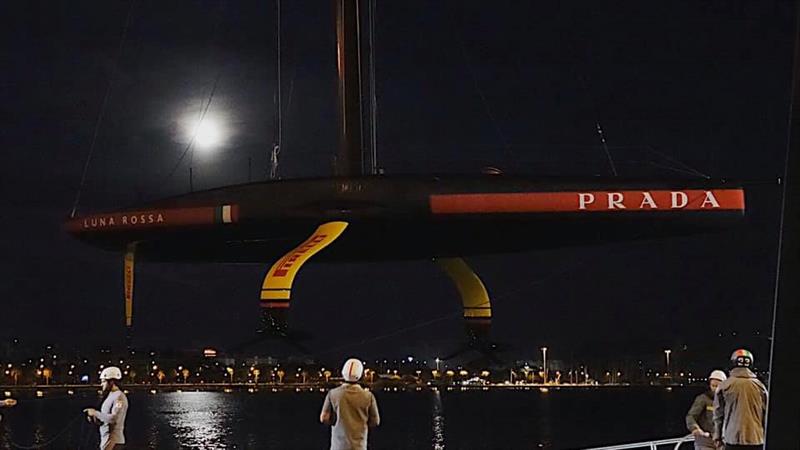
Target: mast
783	414
354	66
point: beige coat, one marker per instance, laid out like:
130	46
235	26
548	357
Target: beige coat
740	406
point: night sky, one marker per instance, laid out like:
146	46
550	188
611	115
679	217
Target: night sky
679	88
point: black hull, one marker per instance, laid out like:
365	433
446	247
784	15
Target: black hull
396	218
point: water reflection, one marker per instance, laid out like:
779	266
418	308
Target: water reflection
544	419
438	422
153	436
39	435
476	420
198	418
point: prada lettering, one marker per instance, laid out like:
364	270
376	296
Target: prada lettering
642	200
590	201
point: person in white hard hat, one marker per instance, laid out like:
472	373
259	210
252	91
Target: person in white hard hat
700	418
111	416
350	409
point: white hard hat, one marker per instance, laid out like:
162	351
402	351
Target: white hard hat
111	373
352	370
718	375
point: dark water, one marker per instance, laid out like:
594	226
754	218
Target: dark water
565	418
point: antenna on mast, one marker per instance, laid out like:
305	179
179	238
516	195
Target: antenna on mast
605	147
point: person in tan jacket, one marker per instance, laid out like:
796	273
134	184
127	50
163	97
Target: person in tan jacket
740	406
350	410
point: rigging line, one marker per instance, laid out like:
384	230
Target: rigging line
215	36
360	84
197	126
473	74
521	288
391	334
373	92
674	160
600	132
293	53
675	169
460	311
86	436
598	127
282	111
191	152
291	91
53	439
605	147
276	145
514	291
103	105
791	137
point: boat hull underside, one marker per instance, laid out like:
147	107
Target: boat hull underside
409	239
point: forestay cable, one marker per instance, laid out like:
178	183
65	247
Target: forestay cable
101	114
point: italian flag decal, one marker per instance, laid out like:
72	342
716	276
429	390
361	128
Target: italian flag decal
226	214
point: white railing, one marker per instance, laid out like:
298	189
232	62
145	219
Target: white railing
652	445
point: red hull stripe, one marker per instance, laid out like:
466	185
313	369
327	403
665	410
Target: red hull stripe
154	218
590	201
264	304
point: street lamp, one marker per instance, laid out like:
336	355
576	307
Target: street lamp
437	363
666	353
544	363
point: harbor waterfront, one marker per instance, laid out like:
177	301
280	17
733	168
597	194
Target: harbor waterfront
204	398
243	416
360	225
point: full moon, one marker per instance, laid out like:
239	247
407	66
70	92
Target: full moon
208	134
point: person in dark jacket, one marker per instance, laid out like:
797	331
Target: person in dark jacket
700	418
740	406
